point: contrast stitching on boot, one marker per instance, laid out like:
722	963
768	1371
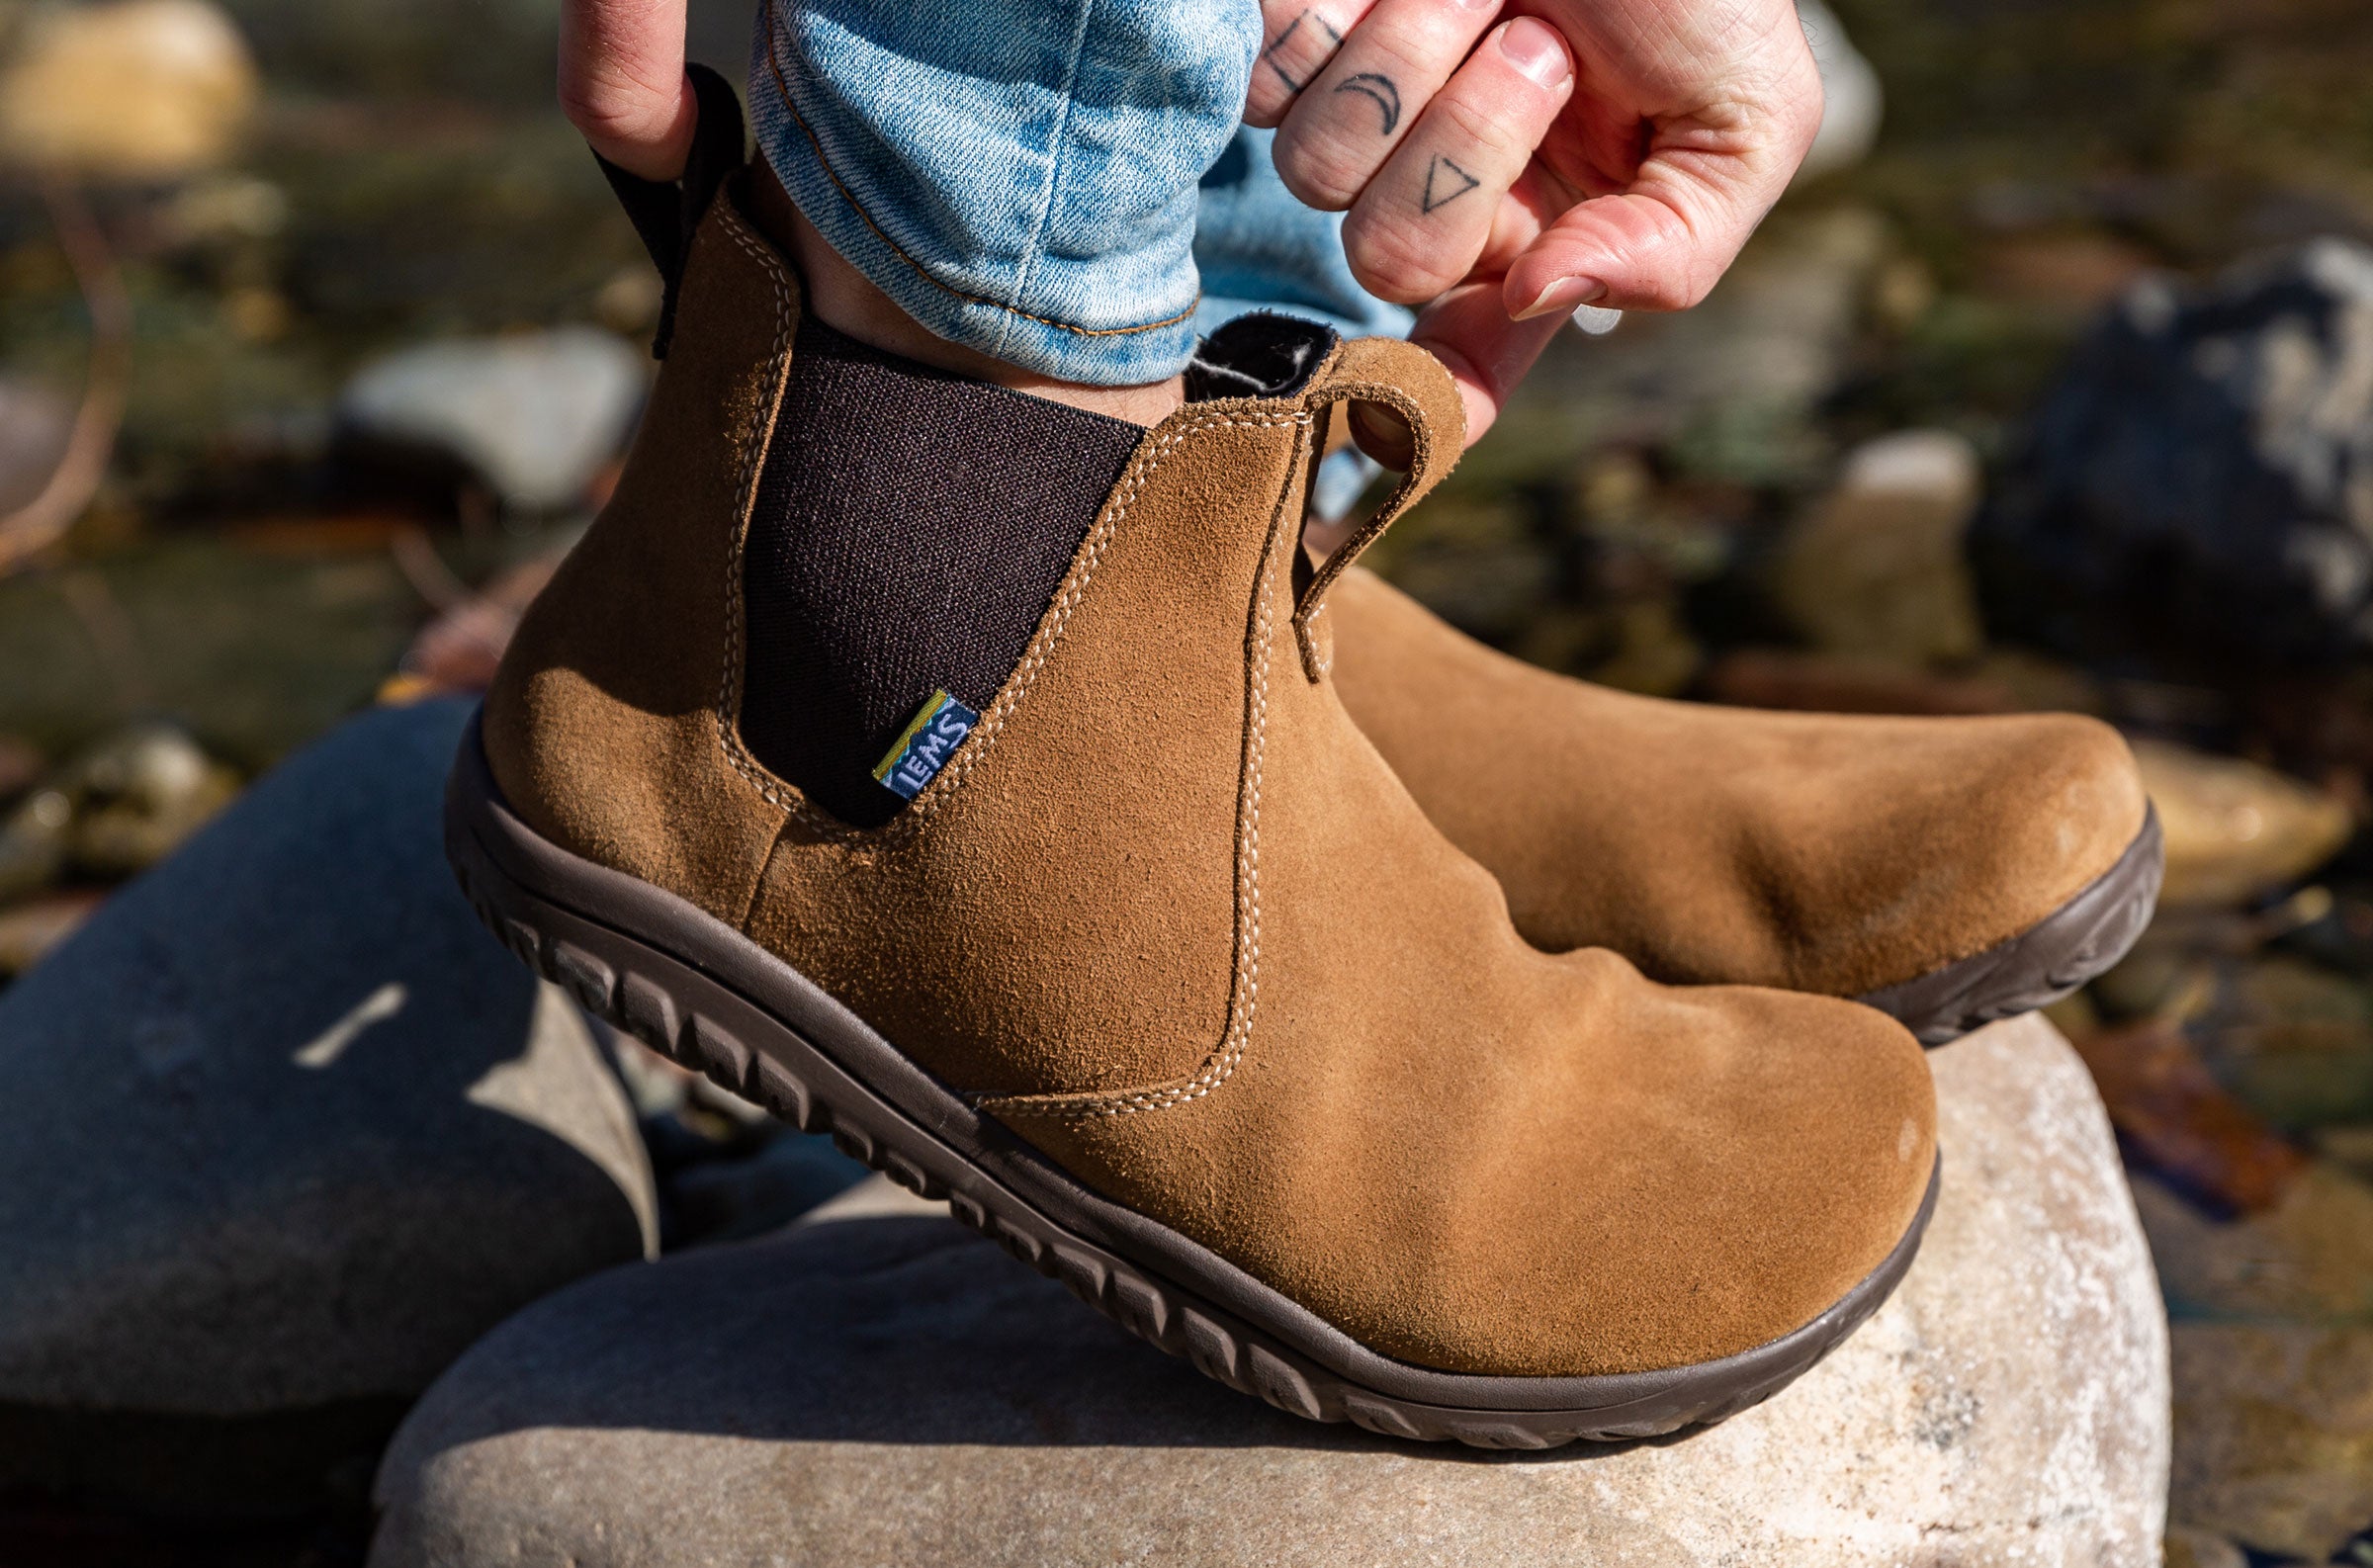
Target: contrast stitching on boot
782	90
1042	646
728	691
1224	1059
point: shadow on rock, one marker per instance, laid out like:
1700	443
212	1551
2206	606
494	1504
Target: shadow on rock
282	1132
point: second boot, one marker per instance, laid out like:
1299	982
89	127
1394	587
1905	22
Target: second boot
1947	871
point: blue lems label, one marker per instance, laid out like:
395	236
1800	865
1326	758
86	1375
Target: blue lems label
923	749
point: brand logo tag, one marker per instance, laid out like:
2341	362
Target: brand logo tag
932	736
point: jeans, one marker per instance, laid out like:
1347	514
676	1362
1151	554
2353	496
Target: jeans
1061	184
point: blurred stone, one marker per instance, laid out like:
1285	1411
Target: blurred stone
1876	570
138	795
2203	473
127	89
1654	654
2274	1435
33	839
1853	102
2163	978
920	1399
257	647
532	417
1726	391
2295	1043
2195	1548
2179	1122
2309	1257
226	208
30	930
34	426
2236	832
1770	677
1478	564
733	1199
2081	271
282	1131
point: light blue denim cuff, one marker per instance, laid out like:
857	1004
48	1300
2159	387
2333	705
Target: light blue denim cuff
1022	180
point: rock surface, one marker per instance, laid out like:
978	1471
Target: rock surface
2236	832
534	416
282	1131
2206	463
1876	570
2274	1434
139	89
873	1387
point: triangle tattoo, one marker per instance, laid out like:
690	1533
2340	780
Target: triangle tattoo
1440	189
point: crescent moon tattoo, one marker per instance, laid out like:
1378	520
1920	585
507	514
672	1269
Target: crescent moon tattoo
1389	97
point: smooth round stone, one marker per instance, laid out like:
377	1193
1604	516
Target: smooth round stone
876	1385
283	1130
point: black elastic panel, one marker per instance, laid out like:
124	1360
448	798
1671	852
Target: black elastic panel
910	529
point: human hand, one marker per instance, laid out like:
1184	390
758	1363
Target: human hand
623	84
1606	152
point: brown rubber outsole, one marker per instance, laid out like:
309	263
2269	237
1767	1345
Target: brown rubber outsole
2079	941
700	991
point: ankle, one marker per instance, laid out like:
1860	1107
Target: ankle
847	301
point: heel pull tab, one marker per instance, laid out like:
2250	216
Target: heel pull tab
1413	383
667	212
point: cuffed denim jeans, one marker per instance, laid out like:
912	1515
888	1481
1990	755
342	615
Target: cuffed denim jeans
1061	184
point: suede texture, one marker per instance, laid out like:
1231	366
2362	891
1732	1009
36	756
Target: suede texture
1170	915
604	723
1817	852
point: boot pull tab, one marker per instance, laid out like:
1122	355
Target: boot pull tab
1405	379
667	213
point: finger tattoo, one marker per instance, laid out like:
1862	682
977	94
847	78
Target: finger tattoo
1379	88
1445	182
1283	38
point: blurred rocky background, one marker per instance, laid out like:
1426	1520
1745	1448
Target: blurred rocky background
2049	386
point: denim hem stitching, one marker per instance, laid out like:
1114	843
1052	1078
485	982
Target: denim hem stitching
1054	171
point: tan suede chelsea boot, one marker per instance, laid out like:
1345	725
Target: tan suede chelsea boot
1148	964
1948	871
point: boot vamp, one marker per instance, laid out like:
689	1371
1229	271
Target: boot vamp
1820	853
1481	1157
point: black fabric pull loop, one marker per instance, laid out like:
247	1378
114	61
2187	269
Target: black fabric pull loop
667	213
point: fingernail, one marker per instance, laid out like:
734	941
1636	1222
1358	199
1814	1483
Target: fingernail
1535	49
1566	294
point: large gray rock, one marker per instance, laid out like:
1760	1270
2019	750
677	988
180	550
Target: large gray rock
2203	471
880	1387
282	1131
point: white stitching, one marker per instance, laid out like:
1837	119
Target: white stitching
729	692
1224	1059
